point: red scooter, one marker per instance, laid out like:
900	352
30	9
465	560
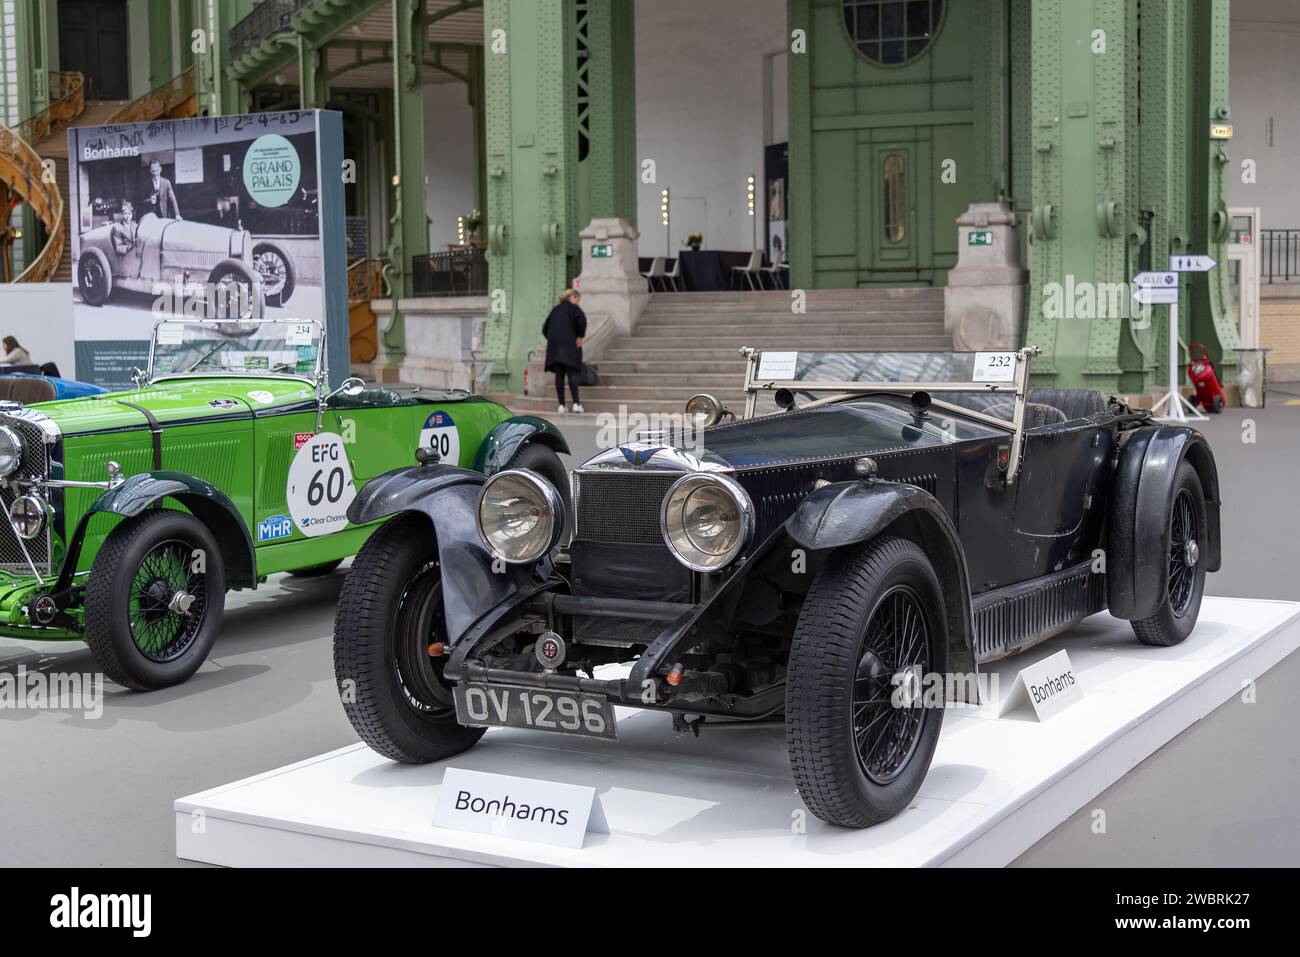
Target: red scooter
1205	380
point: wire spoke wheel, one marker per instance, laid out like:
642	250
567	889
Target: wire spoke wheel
167	601
271	267
887	717
1184	552
419	625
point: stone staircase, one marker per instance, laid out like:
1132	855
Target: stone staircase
686	343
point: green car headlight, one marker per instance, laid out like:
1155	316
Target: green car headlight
520	516
11	452
706	520
27	514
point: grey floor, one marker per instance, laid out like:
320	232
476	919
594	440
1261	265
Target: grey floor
80	791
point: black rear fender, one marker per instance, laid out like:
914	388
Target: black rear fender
1136	572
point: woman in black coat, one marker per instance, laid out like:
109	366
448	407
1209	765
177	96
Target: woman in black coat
564	330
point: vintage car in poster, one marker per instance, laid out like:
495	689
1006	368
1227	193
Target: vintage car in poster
895	517
242	274
128	515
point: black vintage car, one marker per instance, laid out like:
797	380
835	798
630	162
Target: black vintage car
895	518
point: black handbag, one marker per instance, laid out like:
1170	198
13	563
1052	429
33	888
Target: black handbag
590	375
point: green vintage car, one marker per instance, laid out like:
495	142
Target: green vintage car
129	515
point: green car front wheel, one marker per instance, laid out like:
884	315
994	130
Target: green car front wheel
154	600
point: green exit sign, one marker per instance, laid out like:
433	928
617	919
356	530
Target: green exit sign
979	237
602	251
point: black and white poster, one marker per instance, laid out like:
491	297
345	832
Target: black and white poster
204	218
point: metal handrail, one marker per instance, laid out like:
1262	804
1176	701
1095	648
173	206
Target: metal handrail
1279	255
22	172
159	101
67	101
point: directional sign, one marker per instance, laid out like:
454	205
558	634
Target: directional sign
1156	279
1191	263
1156	295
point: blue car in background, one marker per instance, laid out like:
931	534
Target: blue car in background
63	388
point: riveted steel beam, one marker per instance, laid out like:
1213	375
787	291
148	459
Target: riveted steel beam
531	139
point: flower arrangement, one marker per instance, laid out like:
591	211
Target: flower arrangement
694	241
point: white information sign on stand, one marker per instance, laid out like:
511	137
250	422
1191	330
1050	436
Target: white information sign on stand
523	808
1048	687
1154	288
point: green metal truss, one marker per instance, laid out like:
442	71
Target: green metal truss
1156	189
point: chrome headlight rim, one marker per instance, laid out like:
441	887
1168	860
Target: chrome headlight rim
675	501
11	438
711	411
551	502
34	507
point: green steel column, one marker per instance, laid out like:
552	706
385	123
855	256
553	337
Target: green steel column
409	235
1084	131
1210	320
160	43
1163	187
607	118
33	92
478	103
531	164
991	173
799	246
218	92
313	79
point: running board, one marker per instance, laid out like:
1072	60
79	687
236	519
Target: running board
1009	620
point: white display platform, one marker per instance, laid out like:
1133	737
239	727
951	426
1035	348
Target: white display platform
996	786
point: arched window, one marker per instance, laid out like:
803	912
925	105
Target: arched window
892	32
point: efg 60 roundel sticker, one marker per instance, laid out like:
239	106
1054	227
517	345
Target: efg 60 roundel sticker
439	433
320	486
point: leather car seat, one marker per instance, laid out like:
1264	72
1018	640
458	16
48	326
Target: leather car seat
26	389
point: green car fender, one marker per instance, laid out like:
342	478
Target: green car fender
501	444
205	501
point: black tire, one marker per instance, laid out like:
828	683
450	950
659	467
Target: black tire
1216	404
538	458
137	639
390	611
94	277
316	571
276	269
233	273
1185	520
832	660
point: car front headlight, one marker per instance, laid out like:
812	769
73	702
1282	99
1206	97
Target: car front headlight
520	516
706	520
11	452
27	515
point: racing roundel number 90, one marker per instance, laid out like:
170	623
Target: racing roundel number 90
320	486
441	435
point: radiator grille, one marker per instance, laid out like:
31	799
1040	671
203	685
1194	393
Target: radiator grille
620	508
35	464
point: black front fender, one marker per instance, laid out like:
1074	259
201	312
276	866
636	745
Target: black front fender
472	583
1136	572
402	489
850	513
202	499
505	440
